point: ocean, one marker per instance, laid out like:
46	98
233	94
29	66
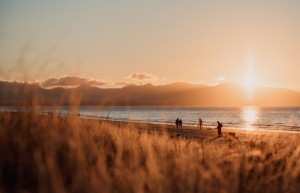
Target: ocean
244	118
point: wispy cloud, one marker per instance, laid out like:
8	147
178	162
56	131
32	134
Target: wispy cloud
142	78
218	80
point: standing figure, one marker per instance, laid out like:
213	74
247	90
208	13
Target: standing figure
180	123
219	129
200	123
177	123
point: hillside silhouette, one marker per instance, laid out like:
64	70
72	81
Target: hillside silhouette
175	94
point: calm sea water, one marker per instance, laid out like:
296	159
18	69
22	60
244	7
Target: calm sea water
250	118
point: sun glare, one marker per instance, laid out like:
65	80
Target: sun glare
249	81
250	77
250	115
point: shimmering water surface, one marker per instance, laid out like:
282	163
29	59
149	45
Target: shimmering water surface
249	118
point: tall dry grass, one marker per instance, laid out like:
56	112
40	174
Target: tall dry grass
52	154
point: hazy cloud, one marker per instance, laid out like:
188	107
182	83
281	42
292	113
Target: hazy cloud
16	82
218	80
142	78
69	81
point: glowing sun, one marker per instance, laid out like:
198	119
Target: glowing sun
250	77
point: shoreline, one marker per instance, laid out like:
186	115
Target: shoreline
239	123
188	131
226	128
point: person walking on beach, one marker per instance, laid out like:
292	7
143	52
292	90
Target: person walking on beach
177	123
180	123
219	129
200	123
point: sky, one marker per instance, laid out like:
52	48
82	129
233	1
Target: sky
250	42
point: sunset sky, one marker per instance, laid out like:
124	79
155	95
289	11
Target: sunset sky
252	42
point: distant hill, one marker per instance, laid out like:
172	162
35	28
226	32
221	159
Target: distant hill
175	94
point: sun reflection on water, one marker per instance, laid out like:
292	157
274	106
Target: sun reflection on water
250	116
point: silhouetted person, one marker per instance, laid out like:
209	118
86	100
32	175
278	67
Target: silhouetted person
177	123
200	123
180	123
219	129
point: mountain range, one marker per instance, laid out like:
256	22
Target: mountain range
175	94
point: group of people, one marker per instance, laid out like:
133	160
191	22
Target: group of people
178	123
